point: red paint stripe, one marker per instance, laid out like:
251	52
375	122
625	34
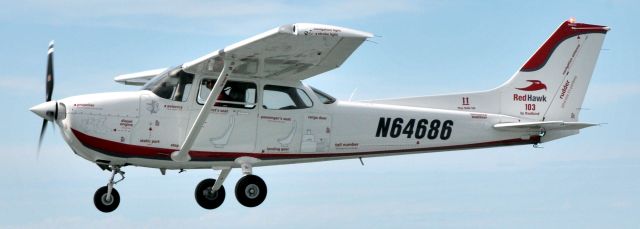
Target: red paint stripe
565	31
118	149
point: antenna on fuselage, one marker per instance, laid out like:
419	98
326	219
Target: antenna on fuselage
353	93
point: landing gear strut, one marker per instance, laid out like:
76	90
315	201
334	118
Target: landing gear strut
107	198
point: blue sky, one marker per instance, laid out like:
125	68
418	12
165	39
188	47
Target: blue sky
425	47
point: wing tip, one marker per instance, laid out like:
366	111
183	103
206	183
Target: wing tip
312	29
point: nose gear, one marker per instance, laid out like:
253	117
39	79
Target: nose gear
107	198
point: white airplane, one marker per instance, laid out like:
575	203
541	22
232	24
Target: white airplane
245	106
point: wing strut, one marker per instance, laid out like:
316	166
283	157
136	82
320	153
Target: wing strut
183	154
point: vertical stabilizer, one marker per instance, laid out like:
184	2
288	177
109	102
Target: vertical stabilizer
552	84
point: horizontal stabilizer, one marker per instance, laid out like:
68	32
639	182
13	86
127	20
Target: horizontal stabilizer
537	126
138	78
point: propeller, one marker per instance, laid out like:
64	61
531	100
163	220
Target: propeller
43	109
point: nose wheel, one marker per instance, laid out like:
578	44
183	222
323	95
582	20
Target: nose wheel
107	198
104	201
251	190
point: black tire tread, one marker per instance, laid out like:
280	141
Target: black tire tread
244	182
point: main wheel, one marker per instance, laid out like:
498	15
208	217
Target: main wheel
206	198
251	191
106	203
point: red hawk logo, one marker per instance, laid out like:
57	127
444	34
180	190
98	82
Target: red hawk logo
536	85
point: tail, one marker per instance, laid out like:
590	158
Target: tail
550	86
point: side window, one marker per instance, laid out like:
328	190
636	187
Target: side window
182	92
234	94
285	98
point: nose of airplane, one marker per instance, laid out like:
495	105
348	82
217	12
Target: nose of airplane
46	110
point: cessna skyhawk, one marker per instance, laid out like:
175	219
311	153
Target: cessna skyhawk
245	106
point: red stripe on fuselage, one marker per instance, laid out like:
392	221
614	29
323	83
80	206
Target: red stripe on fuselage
118	149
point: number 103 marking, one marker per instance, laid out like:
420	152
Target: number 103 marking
530	107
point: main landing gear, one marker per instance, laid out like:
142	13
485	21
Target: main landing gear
250	190
107	198
210	192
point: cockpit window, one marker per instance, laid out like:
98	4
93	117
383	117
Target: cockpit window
324	97
285	98
235	94
174	84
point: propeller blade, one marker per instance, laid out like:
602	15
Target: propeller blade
44	128
48	93
49	79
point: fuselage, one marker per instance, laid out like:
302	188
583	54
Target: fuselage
143	128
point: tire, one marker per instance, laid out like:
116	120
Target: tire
251	191
205	198
101	202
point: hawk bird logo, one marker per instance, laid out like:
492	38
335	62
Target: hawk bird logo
536	85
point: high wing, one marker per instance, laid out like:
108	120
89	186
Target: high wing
289	52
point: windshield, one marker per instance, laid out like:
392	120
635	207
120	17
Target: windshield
174	84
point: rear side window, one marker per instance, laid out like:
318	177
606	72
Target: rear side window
285	98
